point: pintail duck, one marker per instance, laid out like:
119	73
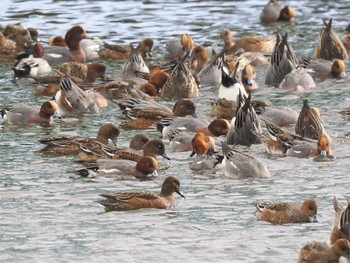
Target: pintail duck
144	169
243	124
135	63
248	43
274	11
288	212
21	114
341	226
72	100
123	52
71	145
176	48
181	83
322	252
325	69
236	164
138	200
283	61
329	46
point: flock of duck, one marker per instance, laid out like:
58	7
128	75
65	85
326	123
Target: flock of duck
140	88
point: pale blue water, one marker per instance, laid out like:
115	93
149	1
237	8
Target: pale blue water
48	215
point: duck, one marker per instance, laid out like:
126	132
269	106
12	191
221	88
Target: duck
71	145
138	141
274	11
19	34
322	252
325	69
341	226
34	65
72	100
137	200
329	45
8	49
346	38
288	212
247	43
243	124
134	63
175	48
181	83
119	52
144	169
297	80
239	165
283	61
223	108
22	114
145	113
309	122
248	79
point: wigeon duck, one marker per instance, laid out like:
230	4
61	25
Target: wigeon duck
309	122
325	69
297	80
322	252
144	113
144	169
57	41
135	63
138	141
248	79
288	212
243	124
176	48
329	46
34	65
137	200
123	52
274	11
22	114
73	52
72	100
283	61
34	34
236	164
247	43
223	108
71	145
231	86
181	83
341	226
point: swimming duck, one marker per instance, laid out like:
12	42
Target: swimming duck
341	226
135	63
288	212
175	48
248	79
144	169
297	80
329	46
346	38
274	11
223	108
325	69
138	141
137	200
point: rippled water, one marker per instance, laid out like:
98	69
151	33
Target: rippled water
49	215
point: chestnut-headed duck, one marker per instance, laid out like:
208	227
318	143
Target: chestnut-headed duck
274	11
181	83
138	141
341	226
71	145
73	52
236	164
309	122
325	69
72	100
223	108
175	48
243	124
123	52
145	113
137	200
134	63
322	252
34	65
21	114
288	212
329	45
248	79
283	61
231	86
247	43
144	169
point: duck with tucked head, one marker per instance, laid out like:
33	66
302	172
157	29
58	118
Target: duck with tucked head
274	11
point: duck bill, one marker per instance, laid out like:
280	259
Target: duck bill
323	153
153	175
164	155
192	153
249	81
342	75
194	115
57	115
149	54
313	219
114	142
180	194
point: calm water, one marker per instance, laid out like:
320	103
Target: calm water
48	215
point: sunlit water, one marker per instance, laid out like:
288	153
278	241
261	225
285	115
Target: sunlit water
47	214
